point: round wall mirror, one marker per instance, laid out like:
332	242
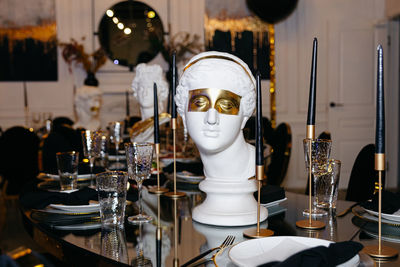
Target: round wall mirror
131	32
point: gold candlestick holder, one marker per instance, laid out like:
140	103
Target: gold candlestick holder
174	194
257	232
310	223
176	259
378	251
159	231
158	189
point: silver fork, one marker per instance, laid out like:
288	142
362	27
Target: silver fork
227	242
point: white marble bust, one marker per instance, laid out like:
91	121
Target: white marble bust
142	86
88	101
215	97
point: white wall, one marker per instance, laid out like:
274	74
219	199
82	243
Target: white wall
293	56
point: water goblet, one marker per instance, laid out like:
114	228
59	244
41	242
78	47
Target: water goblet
320	152
91	142
116	129
139	157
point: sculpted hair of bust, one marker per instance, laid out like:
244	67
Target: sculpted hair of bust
87	105
142	86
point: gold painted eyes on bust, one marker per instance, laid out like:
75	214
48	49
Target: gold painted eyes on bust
224	101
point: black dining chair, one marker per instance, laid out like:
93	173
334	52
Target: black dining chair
363	177
18	159
281	144
62	138
249	130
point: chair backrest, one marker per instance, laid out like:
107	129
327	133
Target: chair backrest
281	143
18	158
249	130
63	138
61	121
363	175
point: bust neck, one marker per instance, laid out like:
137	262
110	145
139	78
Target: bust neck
87	121
237	162
148	112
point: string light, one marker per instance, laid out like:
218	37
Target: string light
110	13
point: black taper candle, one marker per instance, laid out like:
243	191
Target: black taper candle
380	106
156	124
313	85
259	136
173	113
127	104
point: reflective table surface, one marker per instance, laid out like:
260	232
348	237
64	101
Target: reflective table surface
136	245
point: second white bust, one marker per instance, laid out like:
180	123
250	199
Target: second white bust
142	86
215	97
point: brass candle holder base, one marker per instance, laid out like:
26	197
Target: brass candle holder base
175	195
252	233
158	190
385	253
313	224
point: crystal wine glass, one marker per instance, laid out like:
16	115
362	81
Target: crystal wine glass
91	142
139	157
116	130
320	152
141	260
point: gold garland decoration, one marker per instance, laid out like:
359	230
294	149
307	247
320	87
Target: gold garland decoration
255	25
45	33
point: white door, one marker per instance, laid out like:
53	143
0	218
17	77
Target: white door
352	83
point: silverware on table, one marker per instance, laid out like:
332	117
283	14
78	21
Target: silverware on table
346	211
227	242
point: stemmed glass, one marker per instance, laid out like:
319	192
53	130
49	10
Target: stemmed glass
320	152
140	260
139	157
91	141
116	130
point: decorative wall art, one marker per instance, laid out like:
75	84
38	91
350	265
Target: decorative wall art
28	40
231	27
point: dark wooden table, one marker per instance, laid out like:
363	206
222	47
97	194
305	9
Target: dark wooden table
107	247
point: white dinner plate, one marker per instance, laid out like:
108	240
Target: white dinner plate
114	157
92	207
81	177
167	161
190	177
83	226
273	203
391	217
277	248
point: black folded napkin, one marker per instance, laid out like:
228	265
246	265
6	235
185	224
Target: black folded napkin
194	167
85	169
270	193
390	202
39	199
335	254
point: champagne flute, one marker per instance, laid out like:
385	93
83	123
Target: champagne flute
91	142
139	158
116	130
